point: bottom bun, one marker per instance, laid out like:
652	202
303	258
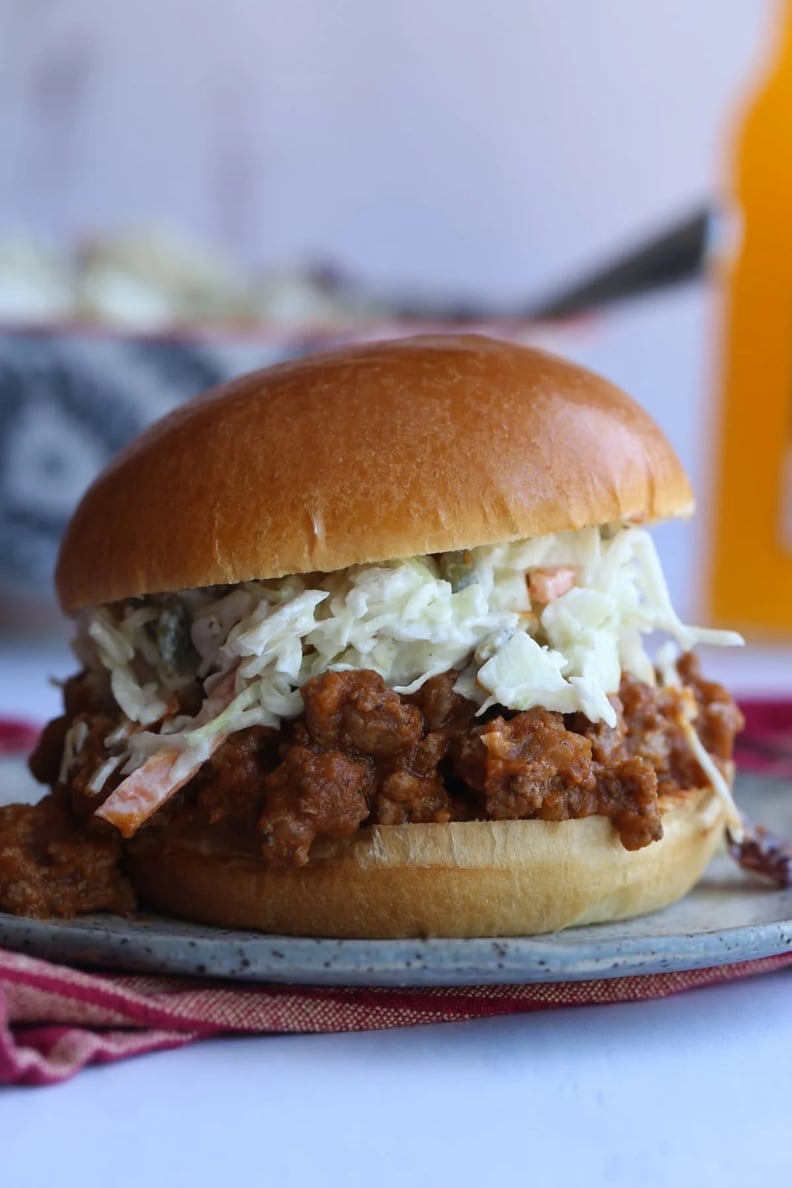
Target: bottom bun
467	878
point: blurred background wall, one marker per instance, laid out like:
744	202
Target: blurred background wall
463	145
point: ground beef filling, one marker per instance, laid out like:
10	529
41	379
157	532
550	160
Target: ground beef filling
52	866
361	754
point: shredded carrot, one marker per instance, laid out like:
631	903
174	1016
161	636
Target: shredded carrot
148	787
548	584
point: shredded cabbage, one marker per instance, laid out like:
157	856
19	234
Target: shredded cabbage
407	622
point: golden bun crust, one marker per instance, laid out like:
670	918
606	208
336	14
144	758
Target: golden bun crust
367	453
472	878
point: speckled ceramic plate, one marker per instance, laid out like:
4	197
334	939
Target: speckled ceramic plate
727	918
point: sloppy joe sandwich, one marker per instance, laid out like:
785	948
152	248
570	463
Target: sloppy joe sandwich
376	643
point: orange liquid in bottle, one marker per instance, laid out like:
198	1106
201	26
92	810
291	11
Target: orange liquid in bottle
751	575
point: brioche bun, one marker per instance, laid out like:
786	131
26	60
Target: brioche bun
466	878
364	454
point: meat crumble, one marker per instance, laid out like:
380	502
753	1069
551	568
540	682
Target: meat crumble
361	754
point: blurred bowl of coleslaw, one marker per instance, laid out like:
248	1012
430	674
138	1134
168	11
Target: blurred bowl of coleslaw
96	344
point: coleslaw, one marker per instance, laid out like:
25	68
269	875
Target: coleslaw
552	621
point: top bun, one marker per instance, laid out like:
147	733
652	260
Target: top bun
364	454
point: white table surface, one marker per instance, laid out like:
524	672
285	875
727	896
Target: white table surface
691	1090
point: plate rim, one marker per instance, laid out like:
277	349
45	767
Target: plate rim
223	954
